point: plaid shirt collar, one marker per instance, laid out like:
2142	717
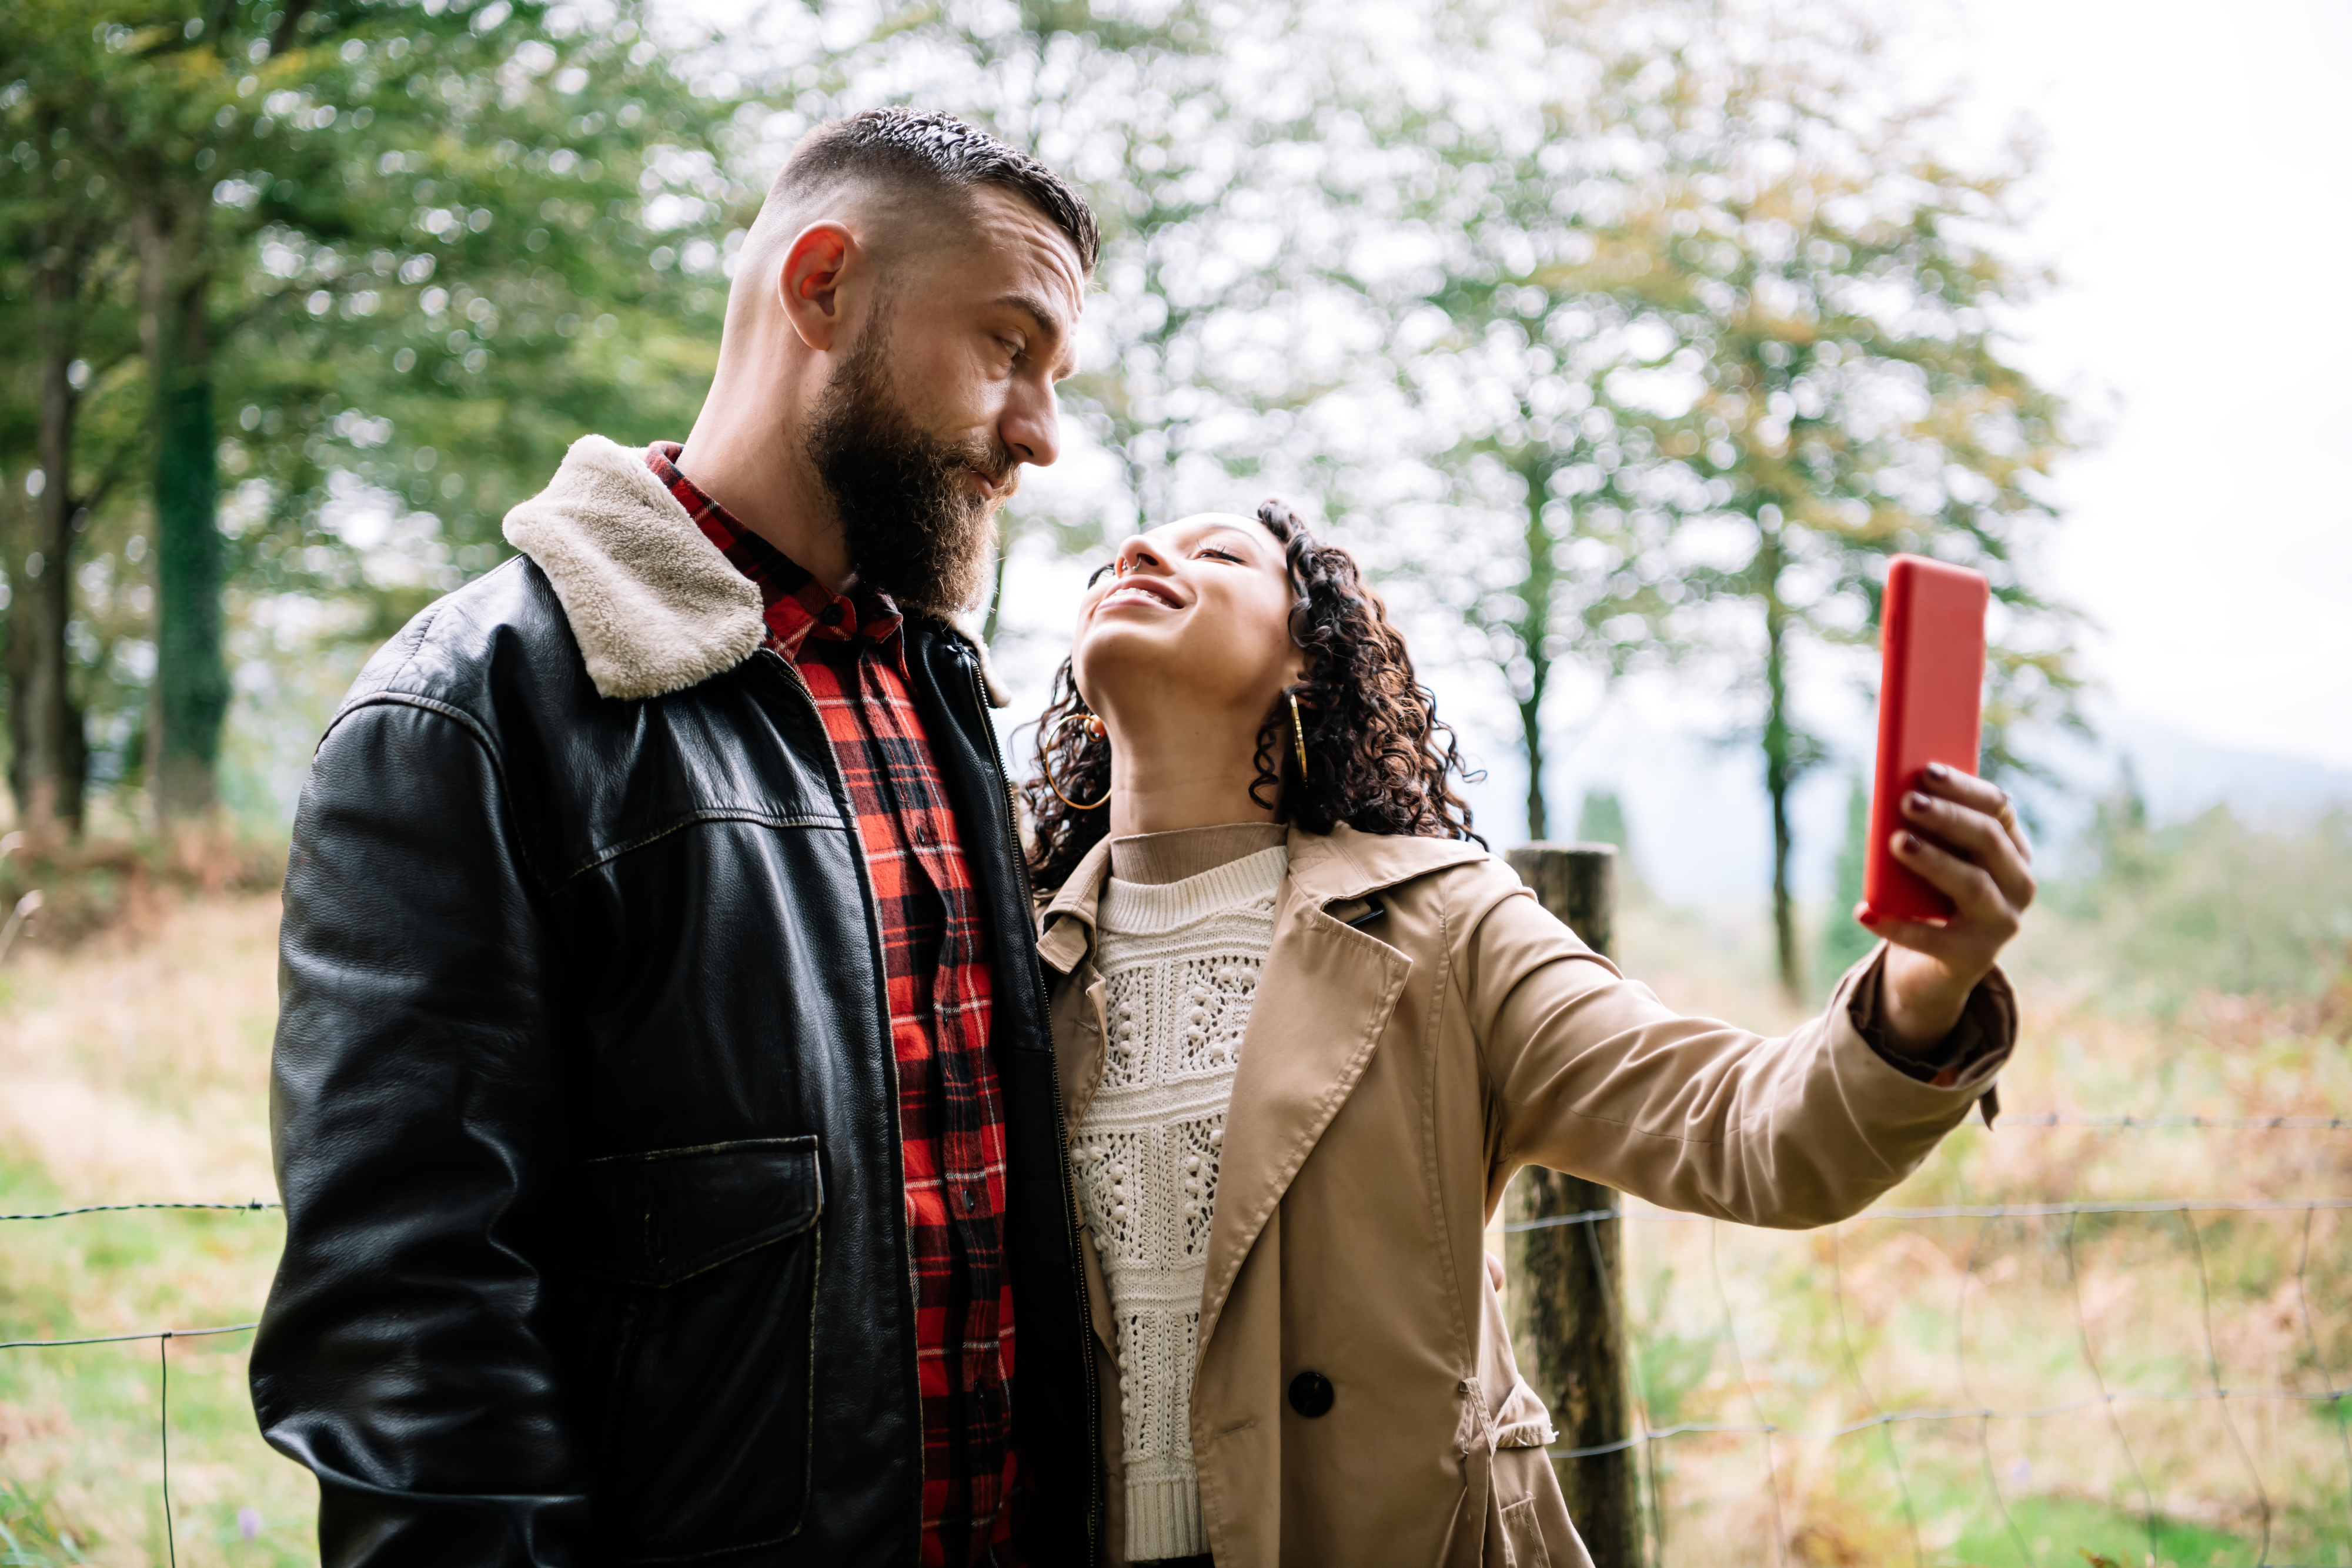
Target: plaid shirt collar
797	605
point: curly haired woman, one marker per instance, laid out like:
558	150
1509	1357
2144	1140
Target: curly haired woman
1308	1027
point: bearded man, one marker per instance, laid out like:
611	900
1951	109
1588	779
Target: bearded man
664	1105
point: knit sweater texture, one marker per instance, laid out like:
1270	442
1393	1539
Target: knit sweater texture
1179	963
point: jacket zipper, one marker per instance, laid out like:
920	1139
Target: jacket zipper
1061	1153
897	1130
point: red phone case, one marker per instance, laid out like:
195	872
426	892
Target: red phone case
1931	645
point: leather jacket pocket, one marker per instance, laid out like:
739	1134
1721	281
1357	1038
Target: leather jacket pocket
706	1261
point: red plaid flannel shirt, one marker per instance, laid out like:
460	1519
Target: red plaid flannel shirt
849	652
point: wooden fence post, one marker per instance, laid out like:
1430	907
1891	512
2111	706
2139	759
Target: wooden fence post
1566	1299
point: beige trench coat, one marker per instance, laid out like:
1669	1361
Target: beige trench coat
1391	1079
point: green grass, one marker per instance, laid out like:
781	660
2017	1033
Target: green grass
2066	1530
83	1456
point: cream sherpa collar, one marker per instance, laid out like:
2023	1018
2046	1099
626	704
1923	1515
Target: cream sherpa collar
653	605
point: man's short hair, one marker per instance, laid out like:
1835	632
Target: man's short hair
935	153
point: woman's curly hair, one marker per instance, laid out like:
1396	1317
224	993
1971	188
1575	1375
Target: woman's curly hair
1378	759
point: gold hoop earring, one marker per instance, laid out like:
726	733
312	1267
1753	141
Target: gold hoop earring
1299	734
1094	728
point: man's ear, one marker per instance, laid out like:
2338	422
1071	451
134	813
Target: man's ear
822	259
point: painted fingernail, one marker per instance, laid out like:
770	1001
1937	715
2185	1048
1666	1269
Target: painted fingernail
1911	843
1916	801
1937	770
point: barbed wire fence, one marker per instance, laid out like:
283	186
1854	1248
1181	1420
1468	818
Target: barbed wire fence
1799	1370
1656	1432
2189	1219
1876	1418
162	1338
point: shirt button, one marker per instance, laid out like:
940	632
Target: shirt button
830	616
970	1200
923	835
1311	1393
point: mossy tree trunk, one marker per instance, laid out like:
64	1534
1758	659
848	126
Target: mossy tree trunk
192	684
1532	627
50	745
49	752
1789	752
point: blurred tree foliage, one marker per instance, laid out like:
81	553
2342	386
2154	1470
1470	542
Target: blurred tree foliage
1728	328
1635	334
352	238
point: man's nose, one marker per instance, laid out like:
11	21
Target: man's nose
1032	425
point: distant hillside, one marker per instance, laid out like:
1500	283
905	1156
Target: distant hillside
1699	828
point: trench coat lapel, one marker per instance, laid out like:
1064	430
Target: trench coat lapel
1326	997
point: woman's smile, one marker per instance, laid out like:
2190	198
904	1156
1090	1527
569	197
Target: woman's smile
1145	591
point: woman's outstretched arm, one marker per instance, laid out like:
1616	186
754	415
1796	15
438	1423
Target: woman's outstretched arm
1592	1074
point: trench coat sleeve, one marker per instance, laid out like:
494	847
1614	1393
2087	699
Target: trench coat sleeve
415	1113
1592	1074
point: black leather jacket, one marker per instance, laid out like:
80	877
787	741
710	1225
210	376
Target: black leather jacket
586	1123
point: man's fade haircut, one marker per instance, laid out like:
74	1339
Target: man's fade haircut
937	154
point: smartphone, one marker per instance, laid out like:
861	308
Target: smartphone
1931	642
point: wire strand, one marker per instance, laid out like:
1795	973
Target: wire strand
251	1206
124	1338
1983	1210
1957	1413
163	1435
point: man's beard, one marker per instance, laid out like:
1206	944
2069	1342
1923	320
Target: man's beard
915	528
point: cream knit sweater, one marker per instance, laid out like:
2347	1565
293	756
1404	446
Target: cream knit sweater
1179	962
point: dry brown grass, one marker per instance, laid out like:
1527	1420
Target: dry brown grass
135	1067
1812	1332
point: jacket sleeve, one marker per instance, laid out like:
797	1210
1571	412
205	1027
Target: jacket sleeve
416	1120
1593	1075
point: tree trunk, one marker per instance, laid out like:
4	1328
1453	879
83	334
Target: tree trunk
192	684
1780	769
1531	733
1534	629
47	765
16	648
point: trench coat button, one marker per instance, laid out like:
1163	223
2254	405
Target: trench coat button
1310	1394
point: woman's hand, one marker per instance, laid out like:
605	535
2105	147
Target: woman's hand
1931	970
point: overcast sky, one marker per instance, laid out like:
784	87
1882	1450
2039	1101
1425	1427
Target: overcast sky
2195	190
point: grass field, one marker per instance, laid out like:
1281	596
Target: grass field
133	1066
1811	1332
